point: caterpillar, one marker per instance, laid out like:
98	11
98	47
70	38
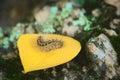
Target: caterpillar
48	45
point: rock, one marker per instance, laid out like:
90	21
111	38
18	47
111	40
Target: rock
1	75
9	55
37	78
115	3
61	3
111	32
41	15
96	12
68	28
103	56
115	24
30	29
69	74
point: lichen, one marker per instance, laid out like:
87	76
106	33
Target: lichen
57	18
13	35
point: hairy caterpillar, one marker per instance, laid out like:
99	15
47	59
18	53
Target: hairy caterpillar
48	45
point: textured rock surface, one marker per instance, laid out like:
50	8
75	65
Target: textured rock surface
103	56
115	3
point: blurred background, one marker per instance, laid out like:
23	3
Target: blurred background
94	23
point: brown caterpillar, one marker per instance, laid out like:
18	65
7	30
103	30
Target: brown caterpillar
48	45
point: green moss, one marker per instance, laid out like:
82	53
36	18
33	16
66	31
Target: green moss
12	68
1	32
6	43
16	32
116	44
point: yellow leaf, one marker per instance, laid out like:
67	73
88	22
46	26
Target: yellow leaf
33	58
